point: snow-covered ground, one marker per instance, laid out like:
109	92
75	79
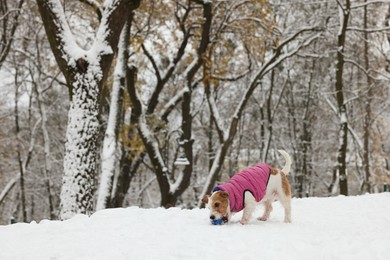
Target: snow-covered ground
322	228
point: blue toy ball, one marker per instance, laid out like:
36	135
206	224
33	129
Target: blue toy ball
218	221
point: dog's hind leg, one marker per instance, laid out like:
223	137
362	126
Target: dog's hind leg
249	207
286	203
285	198
267	211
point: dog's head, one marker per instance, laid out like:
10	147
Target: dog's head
218	203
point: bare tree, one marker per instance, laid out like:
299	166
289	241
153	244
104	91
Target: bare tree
170	189
342	108
226	137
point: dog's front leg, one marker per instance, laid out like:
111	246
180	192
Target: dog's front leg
249	207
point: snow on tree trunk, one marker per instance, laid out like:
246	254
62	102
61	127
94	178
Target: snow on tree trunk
80	148
108	156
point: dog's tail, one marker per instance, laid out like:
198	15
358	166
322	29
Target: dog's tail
287	166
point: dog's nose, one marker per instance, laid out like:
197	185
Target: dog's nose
212	217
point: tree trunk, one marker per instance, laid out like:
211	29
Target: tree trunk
187	142
109	153
80	148
342	109
210	153
368	117
306	135
46	144
298	176
131	158
269	116
22	168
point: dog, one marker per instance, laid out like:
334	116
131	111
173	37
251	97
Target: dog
246	189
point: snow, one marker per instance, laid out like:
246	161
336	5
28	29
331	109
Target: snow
322	228
72	52
343	117
171	103
217	117
145	131
81	135
108	156
342	17
212	172
70	47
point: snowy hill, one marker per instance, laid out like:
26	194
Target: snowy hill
322	228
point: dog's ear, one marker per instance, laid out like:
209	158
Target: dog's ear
205	199
225	194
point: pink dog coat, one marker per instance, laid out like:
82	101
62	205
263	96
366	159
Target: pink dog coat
253	179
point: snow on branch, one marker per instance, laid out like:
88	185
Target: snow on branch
168	107
8	187
151	59
350	129
146	185
108	156
95	4
6	44
341	6
151	142
223	135
369	3
175	186
368	30
312	55
276	59
270	66
273	31
360	67
231	79
59	34
65	48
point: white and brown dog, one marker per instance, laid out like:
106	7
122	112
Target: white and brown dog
257	184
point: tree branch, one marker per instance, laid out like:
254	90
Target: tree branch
66	51
368	3
368	30
96	5
6	45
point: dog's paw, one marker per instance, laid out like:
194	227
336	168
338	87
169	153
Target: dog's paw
244	221
262	218
287	220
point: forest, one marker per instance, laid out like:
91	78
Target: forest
118	103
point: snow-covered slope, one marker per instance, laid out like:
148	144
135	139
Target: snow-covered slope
322	228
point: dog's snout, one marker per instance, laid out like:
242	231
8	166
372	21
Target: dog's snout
212	217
